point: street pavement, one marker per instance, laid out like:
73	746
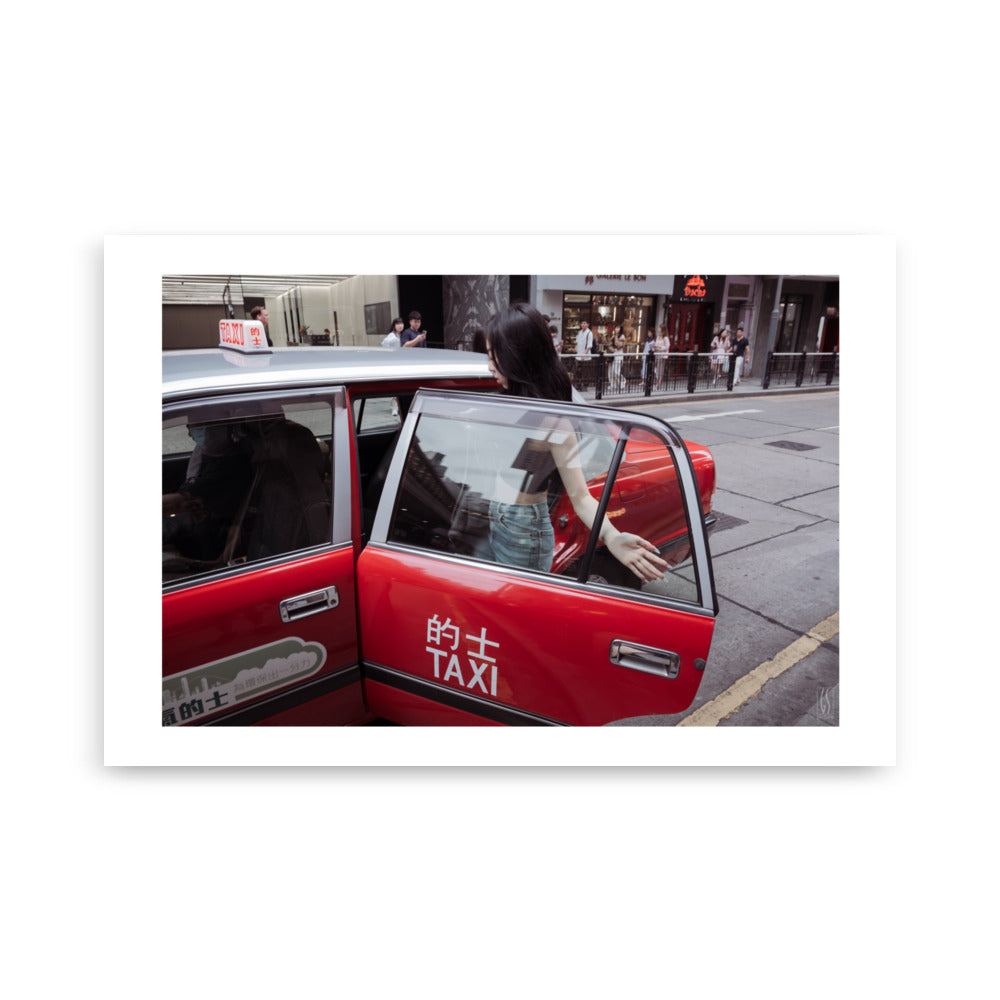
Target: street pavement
775	551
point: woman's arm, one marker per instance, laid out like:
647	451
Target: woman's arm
632	551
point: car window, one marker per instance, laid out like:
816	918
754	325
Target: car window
377	413
244	481
509	486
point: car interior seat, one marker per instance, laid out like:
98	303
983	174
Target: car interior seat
291	508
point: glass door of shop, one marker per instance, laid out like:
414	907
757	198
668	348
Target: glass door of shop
792	310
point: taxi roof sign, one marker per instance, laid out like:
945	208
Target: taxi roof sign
244	335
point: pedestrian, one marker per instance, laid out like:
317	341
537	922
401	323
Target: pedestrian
647	353
740	348
556	338
617	356
661	348
727	349
259	313
584	341
414	336
717	352
521	532
394	337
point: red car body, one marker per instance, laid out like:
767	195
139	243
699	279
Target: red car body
352	627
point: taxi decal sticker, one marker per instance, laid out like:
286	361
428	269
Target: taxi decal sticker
475	670
213	687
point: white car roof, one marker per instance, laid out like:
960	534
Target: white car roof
197	372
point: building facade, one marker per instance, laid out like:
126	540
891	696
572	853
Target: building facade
781	313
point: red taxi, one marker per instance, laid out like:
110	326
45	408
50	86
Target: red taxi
315	570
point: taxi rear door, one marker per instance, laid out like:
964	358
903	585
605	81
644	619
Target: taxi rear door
451	635
259	623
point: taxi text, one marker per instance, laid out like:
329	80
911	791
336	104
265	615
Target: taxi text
244	335
475	669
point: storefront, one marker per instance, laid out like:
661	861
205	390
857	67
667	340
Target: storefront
693	318
694	306
637	301
799	313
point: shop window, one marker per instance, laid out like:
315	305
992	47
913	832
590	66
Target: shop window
634	312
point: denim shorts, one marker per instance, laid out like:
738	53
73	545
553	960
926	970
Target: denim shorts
521	534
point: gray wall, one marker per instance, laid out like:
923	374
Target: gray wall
469	301
192	326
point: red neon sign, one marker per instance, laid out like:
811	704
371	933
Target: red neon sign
695	287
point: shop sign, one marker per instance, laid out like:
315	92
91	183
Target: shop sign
620	284
590	278
694	287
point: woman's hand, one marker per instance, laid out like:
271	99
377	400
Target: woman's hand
638	555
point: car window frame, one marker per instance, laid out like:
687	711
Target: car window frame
707	602
341	499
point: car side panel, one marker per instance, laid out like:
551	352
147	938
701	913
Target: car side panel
550	643
411	709
228	634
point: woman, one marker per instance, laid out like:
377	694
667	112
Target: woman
618	354
661	348
524	364
392	338
647	353
556	338
717	353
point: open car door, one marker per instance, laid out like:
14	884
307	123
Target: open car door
453	633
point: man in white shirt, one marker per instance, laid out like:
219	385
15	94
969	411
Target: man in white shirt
584	341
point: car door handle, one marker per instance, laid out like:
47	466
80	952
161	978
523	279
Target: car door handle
312	603
660	662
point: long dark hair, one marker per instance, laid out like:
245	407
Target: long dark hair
522	350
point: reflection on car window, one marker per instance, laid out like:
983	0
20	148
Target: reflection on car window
491	484
244	482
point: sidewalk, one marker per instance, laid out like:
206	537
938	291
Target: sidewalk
748	388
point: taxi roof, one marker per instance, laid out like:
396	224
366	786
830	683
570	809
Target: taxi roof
196	372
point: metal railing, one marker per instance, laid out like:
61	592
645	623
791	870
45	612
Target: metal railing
799	368
632	375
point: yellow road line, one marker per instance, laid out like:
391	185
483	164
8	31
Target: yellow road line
749	686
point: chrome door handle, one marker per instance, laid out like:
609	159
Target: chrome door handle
660	662
308	604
